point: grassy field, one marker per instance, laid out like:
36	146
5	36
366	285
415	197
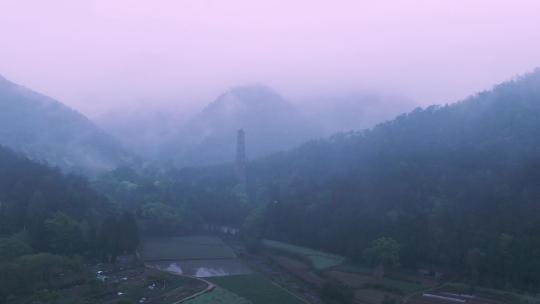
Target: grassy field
371	296
203	268
498	295
365	281
185	248
402	287
256	289
220	296
353	268
318	259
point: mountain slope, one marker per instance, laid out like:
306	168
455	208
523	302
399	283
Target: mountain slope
45	129
354	111
31	192
271	123
504	120
447	182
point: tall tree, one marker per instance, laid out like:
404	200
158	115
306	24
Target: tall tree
383	253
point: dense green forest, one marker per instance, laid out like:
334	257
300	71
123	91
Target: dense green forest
457	186
172	201
51	223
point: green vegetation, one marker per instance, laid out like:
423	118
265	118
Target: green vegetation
318	259
394	286
185	248
177	202
453	185
383	253
218	295
256	289
365	280
11	248
48	220
354	268
337	293
29	273
495	294
125	285
163	219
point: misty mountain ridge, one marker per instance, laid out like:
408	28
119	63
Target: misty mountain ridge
257	97
271	123
355	111
46	130
142	129
505	119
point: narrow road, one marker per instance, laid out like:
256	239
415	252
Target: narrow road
209	285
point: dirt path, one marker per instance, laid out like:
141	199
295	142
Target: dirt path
209	285
210	288
409	296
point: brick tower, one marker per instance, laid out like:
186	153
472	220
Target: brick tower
241	157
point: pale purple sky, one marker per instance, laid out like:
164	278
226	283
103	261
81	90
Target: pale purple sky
95	55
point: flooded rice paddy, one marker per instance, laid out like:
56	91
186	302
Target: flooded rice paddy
204	268
199	256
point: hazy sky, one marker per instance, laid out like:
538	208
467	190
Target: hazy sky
99	54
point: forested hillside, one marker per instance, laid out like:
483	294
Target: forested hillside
46	130
178	201
49	220
456	186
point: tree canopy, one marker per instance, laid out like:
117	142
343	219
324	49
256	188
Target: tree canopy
444	182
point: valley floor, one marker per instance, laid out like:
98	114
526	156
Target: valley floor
108	284
212	269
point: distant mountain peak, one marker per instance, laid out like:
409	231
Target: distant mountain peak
254	96
271	123
4	82
252	90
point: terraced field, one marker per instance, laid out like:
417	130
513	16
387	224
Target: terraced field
218	295
203	268
318	259
199	256
363	281
484	295
185	248
210	257
257	289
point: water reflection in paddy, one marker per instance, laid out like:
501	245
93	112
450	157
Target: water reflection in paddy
204	268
